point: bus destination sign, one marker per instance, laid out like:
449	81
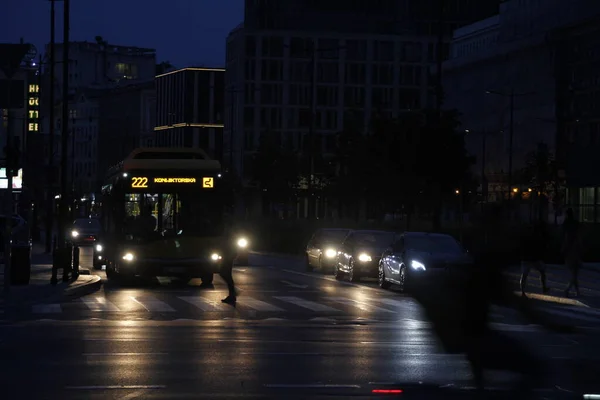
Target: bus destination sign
143	182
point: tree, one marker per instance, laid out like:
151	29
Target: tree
275	169
164	67
409	161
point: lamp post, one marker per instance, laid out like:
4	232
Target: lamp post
511	95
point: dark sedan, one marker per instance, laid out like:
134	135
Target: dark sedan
360	254
322	248
417	257
86	232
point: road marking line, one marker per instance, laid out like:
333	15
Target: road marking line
258	305
153	305
295	285
311	305
123	387
99	303
360	304
311	385
330	279
123	354
284	354
116	340
47	309
204	304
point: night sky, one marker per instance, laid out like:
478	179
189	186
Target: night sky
185	32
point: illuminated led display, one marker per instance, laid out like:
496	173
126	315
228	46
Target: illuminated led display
142	182
174	180
33	112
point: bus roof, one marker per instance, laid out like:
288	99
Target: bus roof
166	158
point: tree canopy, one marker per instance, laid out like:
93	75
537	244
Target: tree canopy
412	159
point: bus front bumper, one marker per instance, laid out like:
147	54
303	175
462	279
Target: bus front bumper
170	267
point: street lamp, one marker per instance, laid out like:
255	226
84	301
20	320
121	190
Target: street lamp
511	95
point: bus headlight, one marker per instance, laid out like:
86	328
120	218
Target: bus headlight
215	257
128	257
98	247
242	243
74	234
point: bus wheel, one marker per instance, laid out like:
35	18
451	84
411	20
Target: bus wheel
207	278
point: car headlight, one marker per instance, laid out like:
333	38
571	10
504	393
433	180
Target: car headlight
128	257
417	265
74	234
215	257
242	242
330	253
98	247
364	257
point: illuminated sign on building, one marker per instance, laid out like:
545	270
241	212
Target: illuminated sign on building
33	112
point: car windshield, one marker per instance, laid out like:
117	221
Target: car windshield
373	239
434	244
333	235
87	224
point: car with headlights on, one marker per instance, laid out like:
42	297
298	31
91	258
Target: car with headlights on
322	248
418	257
87	232
360	253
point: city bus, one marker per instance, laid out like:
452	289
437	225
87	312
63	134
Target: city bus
165	212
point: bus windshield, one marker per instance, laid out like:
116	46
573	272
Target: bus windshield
173	214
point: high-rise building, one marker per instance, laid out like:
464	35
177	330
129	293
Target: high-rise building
370	57
190	109
509	81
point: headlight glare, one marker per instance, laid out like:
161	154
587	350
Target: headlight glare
330	253
242	242
364	257
215	257
98	247
128	257
417	265
74	234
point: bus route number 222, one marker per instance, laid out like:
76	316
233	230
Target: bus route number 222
139	182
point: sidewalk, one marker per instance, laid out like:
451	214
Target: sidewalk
40	289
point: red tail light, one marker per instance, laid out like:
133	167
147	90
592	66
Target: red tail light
386	391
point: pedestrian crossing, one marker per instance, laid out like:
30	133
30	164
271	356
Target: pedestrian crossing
98	303
209	306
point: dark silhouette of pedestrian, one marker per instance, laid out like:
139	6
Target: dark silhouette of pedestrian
571	250
458	304
226	272
534	249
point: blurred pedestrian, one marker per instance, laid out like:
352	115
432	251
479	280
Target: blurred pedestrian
571	250
534	249
230	253
459	305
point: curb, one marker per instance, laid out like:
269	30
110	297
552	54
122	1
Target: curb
81	290
91	286
554	299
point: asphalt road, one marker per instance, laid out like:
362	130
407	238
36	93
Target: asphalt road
293	335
